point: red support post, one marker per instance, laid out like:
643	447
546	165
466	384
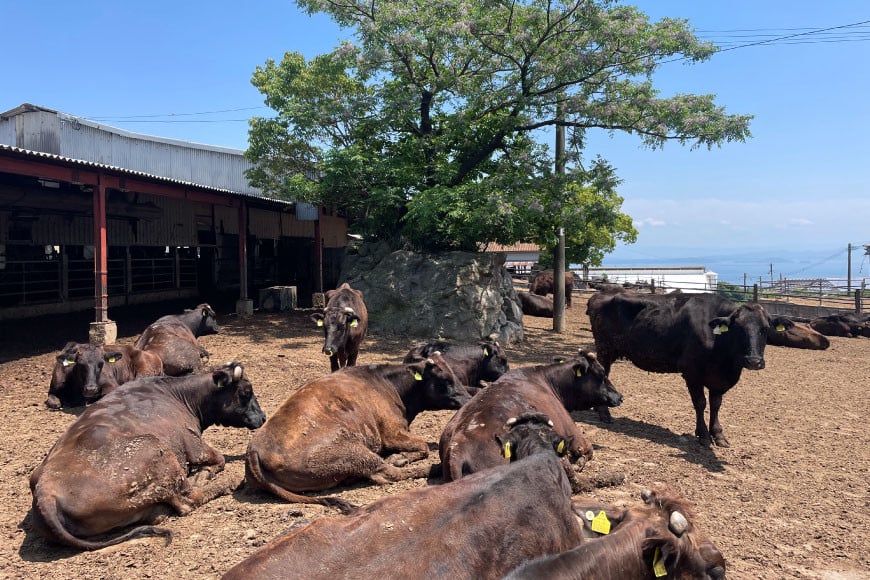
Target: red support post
243	250
101	253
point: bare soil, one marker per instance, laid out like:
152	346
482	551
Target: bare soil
789	499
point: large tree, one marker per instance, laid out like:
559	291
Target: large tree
433	126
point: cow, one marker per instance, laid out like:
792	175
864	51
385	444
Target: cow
848	325
137	455
477	528
542	284
467	442
648	542
174	339
798	336
349	425
345	322
534	305
706	338
84	372
471	363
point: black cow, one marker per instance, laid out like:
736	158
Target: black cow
471	363
345	322
478	528
174	339
137	455
704	337
849	325
534	305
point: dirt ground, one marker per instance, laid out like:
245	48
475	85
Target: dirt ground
789	499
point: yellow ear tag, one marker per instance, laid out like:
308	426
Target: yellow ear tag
319	323
507	450
560	449
578	372
418	376
485	351
354	323
659	564
780	328
67	362
601	524
723	329
112	359
204	313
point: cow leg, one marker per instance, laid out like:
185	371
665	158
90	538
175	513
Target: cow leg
407	447
699	401
351	359
715	427
205	462
333	362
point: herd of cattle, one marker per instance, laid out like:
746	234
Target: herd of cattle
510	455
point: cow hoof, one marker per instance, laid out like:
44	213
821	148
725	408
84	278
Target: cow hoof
720	441
397	460
705	441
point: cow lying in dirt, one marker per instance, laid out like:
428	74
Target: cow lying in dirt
849	325
534	305
128	458
477	528
467	444
85	372
648	542
174	339
471	363
345	322
349	425
798	336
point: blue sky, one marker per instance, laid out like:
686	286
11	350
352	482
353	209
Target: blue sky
800	184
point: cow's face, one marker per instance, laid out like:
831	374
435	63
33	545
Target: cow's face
592	383
494	363
235	402
436	386
744	334
76	377
530	433
337	324
208	321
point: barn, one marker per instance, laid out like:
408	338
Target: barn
92	216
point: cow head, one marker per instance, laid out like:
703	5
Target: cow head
494	362
796	336
233	403
591	386
529	433
743	334
434	387
78	375
338	322
207	322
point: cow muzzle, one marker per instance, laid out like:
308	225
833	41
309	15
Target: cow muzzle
91	391
328	350
753	363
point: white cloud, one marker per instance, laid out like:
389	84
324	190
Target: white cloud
800	222
649	221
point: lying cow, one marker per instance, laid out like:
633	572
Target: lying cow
345	321
128	458
471	363
467	443
706	338
85	372
350	425
848	325
798	336
542	284
534	305
648	542
478	528
174	339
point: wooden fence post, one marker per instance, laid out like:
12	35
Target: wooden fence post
755	292
858	301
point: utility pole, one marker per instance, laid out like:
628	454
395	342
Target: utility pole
559	250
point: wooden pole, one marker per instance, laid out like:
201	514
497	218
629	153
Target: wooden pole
101	252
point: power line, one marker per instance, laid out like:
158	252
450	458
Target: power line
117	118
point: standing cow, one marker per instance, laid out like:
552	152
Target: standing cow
174	339
467	444
542	284
137	455
478	528
84	372
345	321
704	337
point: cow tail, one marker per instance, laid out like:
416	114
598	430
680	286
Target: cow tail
48	515
257	478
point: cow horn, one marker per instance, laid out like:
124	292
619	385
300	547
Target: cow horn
349	310
237	372
511	421
678	523
550	422
647	496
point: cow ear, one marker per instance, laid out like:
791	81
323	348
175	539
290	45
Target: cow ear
221	378
561	446
507	450
113	357
580	367
317	318
781	324
204	312
353	321
486	351
719	325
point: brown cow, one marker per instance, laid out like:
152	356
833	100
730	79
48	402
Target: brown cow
84	372
471	363
648	542
349	425
798	336
174	339
478	528
129	457
467	443
345	321
542	284
848	325
534	305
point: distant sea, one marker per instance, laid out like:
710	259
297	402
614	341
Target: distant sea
731	267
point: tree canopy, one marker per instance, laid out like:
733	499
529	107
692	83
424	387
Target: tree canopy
431	127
